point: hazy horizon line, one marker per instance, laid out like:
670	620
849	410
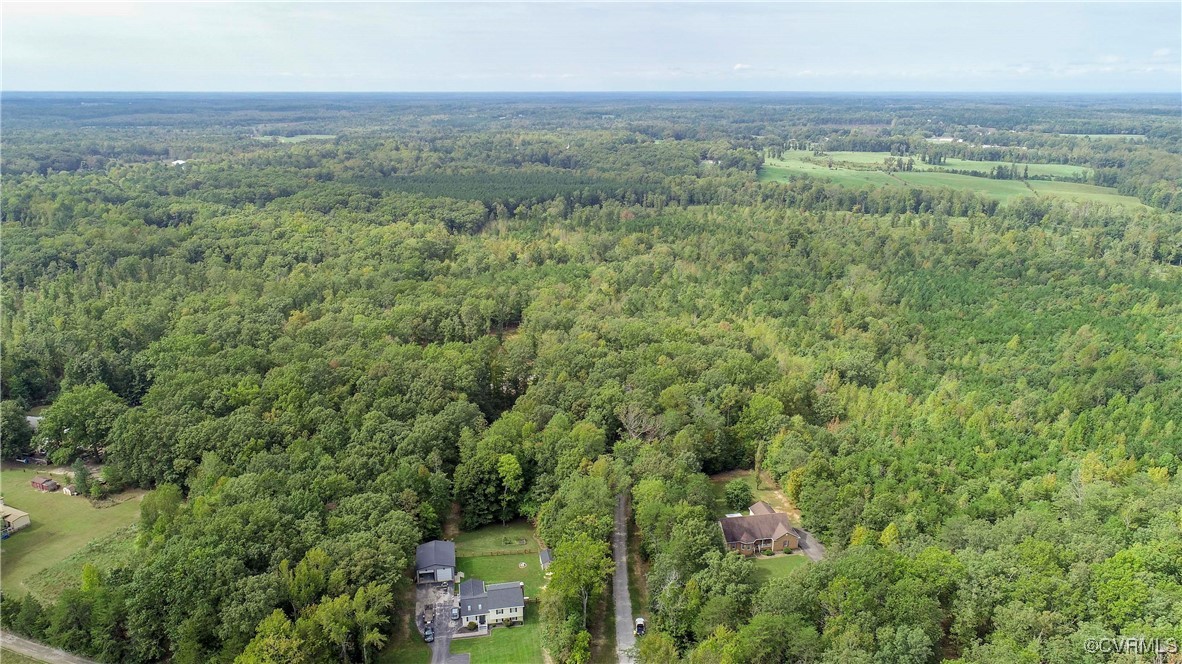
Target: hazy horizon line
1090	93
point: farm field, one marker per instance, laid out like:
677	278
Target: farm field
61	527
506	645
297	139
952	163
1114	137
776	567
1003	190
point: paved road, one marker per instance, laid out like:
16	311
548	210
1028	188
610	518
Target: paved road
625	639
810	546
39	652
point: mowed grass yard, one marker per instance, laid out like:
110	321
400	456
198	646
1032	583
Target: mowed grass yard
777	567
505	568
768	492
515	537
406	645
795	163
12	657
494	554
506	645
61	525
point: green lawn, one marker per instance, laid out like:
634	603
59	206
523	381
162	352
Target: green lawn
9	657
106	553
801	162
516	537
504	568
767	493
506	645
61	526
776	567
406	646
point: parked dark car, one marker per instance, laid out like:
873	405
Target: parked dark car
429	635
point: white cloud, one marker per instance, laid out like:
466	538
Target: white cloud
1161	52
741	67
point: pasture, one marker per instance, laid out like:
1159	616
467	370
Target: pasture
849	170
61	526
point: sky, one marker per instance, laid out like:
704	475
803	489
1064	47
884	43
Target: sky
580	46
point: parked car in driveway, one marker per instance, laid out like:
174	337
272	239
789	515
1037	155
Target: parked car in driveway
429	635
640	627
455	613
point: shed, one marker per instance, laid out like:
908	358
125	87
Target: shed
44	484
545	557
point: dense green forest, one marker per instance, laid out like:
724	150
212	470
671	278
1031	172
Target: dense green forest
309	351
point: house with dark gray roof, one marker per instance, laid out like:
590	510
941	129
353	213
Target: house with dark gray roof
493	603
762	529
435	561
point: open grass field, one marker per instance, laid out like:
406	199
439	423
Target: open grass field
506	645
61	526
514	537
297	139
876	158
1112	137
10	657
505	568
105	553
776	567
779	170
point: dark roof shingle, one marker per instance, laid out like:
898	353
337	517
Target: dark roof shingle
756	527
436	553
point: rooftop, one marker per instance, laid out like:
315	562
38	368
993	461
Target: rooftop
436	553
755	527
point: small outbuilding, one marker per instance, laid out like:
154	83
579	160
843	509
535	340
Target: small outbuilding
13	518
70	490
545	557
435	561
44	484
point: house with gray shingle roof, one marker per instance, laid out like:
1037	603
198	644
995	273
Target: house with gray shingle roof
493	603
763	528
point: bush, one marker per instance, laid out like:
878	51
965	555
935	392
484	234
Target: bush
472	626
739	494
